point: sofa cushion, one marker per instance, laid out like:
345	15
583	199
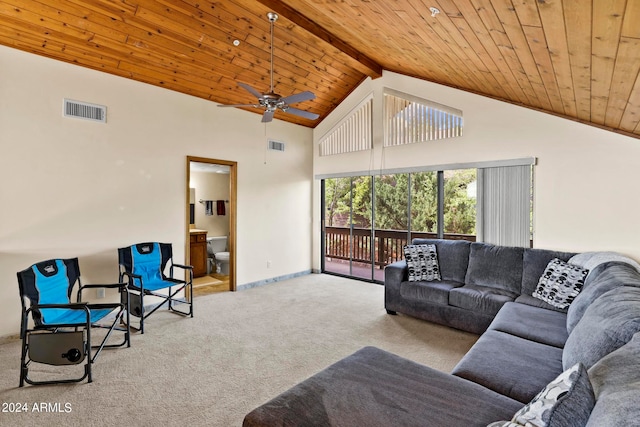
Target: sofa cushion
616	384
512	366
535	302
422	262
504	424
532	323
535	261
560	283
608	324
453	257
480	299
375	388
436	292
602	279
495	266
566	401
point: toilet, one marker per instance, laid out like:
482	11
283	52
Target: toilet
218	255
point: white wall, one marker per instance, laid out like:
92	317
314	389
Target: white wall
586	179
71	187
211	186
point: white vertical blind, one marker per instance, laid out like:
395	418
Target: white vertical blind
409	119
354	133
504	208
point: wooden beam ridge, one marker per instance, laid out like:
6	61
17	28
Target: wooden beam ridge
374	69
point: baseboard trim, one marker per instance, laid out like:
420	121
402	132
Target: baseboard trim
250	285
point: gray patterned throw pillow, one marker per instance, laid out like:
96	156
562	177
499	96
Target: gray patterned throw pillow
422	262
566	401
560	283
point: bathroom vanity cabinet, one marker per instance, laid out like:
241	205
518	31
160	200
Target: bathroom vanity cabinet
198	251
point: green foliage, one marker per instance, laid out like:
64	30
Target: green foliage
337	201
391	201
459	208
391	195
424	202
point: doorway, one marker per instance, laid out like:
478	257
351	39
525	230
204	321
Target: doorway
211	191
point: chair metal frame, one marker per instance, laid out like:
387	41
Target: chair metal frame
136	282
31	308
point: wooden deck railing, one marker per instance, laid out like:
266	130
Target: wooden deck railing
388	244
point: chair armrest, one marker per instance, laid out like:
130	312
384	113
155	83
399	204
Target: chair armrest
105	305
187	268
110	285
132	279
70	306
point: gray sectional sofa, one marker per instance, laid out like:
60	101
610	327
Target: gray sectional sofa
477	279
527	349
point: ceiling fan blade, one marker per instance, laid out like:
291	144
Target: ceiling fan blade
299	97
302	113
250	89
267	116
241	105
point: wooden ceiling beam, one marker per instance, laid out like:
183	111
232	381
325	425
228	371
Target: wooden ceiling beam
367	65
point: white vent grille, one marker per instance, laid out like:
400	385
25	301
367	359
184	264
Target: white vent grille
352	134
276	145
84	110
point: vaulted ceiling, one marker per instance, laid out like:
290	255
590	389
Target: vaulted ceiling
578	59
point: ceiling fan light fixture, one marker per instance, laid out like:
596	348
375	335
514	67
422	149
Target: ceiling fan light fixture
271	101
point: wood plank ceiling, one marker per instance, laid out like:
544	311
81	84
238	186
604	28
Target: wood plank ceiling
578	59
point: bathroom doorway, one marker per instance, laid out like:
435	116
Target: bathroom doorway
211	224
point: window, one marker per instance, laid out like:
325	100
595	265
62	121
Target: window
460	204
354	133
424	204
409	119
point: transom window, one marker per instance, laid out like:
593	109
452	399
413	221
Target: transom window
409	119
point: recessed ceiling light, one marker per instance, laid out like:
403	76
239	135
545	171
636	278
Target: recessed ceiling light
236	42
434	11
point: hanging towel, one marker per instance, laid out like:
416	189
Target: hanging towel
220	207
208	207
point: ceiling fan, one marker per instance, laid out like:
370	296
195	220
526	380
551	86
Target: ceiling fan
271	101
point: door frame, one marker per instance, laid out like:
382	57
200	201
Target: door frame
233	190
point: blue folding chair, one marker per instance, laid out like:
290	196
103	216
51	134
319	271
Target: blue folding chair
143	265
61	330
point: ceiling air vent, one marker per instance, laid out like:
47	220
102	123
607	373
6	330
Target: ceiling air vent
84	110
276	145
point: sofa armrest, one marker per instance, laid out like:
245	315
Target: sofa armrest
394	275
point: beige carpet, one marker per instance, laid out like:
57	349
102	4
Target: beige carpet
240	350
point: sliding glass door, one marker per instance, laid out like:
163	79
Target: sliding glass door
369	219
391	215
347	226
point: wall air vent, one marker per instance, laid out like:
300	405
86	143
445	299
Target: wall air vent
276	145
84	110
